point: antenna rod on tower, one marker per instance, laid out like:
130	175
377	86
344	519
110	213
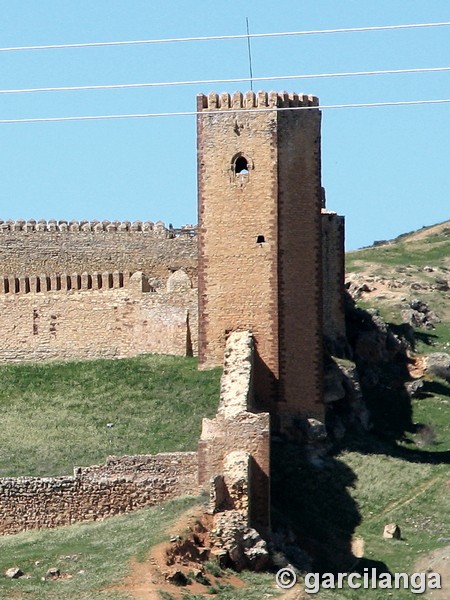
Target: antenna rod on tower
249	55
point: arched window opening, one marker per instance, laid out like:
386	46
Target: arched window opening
241	166
260	239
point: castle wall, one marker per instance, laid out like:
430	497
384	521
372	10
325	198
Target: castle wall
29	248
93	323
95	493
333	280
236	428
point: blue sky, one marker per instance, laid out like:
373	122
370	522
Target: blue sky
386	169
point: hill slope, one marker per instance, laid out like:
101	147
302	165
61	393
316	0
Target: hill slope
391	275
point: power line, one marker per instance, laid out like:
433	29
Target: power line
223	81
226	37
219	111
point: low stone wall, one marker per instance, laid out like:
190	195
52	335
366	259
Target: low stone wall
94	493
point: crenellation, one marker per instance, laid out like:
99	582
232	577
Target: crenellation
224	100
24	285
94	226
107	281
86	281
75	281
251	100
261	99
35	286
283	100
213	100
64	282
117	280
294	100
13	285
236	100
45	283
136	226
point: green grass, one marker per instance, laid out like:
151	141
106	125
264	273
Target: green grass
359	490
98	555
101	551
54	415
433	251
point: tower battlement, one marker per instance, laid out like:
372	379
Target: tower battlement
250	100
54	226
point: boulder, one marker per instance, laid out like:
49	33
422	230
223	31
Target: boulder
438	363
414	388
52	573
14	573
391	532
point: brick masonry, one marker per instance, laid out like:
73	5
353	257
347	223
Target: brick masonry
267	276
333	278
95	493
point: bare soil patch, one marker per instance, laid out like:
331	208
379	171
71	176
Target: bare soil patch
146	579
437	561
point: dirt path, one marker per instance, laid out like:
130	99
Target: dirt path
146	579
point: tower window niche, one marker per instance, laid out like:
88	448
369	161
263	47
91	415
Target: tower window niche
241	165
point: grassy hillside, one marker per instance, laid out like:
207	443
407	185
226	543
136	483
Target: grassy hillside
55	415
416	265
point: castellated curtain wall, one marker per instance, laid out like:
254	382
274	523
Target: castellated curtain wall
31	248
67	290
109	315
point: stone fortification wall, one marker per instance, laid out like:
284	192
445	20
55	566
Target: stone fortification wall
236	428
30	248
95	493
108	315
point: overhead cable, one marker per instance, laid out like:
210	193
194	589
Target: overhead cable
226	37
123	86
219	111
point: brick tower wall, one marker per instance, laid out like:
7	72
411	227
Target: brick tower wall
300	263
333	280
238	276
272	288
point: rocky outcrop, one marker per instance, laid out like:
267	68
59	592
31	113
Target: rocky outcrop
438	364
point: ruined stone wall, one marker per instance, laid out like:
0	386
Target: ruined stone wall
85	323
236	428
30	248
95	493
333	279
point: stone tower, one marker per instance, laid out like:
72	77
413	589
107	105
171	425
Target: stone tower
260	250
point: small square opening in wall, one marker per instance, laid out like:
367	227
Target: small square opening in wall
260	239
